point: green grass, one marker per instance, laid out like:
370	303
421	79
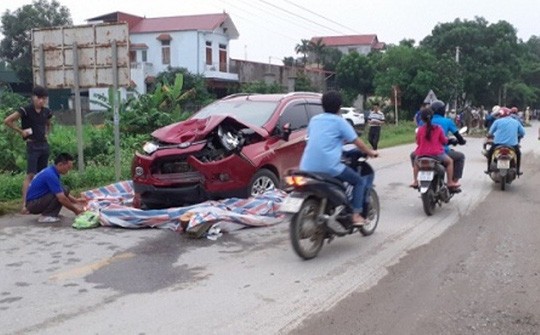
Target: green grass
392	135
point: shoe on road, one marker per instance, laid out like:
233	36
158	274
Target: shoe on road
48	219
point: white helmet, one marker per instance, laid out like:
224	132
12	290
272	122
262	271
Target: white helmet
495	110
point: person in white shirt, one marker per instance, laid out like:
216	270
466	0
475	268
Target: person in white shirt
375	120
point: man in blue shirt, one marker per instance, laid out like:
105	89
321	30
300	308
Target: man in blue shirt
449	126
506	131
327	133
46	195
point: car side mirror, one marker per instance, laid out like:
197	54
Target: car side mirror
286	131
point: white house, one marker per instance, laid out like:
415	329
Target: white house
199	43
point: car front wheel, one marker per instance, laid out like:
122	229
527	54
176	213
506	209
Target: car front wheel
263	180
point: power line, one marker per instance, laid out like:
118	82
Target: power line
253	22
284	19
299	16
325	18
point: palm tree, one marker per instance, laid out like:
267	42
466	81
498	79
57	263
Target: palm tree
303	48
318	48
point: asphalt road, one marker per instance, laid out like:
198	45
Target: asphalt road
481	276
463	270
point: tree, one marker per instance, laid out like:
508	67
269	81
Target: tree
191	82
288	61
488	55
318	49
415	71
331	59
302	83
355	75
15	47
303	48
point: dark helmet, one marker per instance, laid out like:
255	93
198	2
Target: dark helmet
438	107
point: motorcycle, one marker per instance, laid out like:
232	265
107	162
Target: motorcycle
431	185
321	206
503	165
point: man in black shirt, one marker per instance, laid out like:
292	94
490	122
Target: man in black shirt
35	125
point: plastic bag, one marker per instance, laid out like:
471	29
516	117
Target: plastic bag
86	220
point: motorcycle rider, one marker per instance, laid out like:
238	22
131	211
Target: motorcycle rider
430	141
438	108
506	131
514	114
327	133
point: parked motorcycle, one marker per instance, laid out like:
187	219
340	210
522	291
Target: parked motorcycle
503	165
321	206
431	176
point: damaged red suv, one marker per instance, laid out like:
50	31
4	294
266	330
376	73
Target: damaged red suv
241	145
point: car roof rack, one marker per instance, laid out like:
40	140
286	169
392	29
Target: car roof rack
235	95
315	94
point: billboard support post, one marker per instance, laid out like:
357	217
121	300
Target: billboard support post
42	65
116	117
78	112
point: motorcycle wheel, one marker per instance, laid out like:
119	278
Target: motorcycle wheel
428	201
503	183
373	212
307	236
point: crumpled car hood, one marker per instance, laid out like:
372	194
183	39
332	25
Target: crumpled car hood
197	129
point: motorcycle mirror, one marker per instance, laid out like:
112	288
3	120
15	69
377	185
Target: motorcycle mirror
286	131
463	130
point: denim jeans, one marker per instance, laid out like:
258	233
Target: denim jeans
359	185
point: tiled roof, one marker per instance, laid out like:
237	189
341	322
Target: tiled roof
334	41
180	23
200	22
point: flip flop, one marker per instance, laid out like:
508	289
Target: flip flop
359	224
413	186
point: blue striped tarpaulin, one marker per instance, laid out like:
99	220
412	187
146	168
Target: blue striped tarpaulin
113	202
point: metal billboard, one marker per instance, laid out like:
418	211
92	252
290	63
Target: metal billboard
53	55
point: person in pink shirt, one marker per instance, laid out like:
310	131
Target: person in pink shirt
430	140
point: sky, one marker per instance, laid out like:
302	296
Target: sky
270	29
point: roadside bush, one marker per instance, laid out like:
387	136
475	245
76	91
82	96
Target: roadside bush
96	175
10	186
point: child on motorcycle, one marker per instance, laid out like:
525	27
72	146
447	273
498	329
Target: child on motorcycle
430	140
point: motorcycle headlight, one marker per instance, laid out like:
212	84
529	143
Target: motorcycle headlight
150	147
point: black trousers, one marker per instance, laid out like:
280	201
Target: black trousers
373	136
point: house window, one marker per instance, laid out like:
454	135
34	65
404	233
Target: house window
208	53
144	56
132	56
166	52
222	58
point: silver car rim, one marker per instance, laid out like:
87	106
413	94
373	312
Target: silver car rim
261	185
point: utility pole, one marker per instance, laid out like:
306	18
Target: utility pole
457	62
